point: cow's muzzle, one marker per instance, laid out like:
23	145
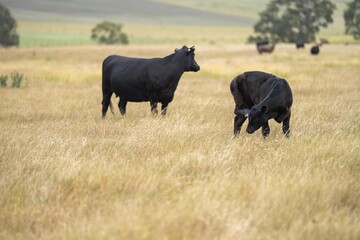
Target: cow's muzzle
196	68
250	130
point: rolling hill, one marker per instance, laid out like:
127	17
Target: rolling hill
186	12
138	12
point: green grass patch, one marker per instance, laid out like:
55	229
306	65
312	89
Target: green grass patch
52	39
67	34
64	34
54	34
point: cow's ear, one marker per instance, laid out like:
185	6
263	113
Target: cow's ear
246	111
264	109
190	50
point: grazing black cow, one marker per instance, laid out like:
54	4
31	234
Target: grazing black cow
262	42
141	80
265	47
315	50
261	96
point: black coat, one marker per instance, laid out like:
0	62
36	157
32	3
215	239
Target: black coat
261	96
140	79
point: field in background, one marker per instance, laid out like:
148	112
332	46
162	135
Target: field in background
60	34
67	174
70	34
60	23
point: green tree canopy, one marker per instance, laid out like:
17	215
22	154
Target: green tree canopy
8	35
109	33
293	20
352	19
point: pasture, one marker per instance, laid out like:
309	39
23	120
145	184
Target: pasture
67	174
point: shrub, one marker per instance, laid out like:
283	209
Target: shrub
109	33
17	79
324	41
3	80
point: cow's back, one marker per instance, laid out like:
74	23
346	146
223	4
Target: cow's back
127	76
256	84
268	85
125	66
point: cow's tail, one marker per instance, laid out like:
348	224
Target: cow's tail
234	88
107	92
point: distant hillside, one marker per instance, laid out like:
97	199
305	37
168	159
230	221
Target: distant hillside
243	8
249	9
186	12
125	11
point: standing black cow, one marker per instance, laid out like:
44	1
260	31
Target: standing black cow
269	48
265	47
260	97
300	44
141	80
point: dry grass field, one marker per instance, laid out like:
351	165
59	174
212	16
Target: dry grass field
67	174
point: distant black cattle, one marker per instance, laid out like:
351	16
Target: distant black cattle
315	50
265	47
300	44
262	42
261	96
140	80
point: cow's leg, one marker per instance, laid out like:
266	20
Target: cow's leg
153	106
106	102
122	106
164	108
238	122
265	129
286	126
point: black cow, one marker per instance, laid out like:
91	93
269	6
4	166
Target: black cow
265	47
262	42
141	80
315	50
261	96
300	44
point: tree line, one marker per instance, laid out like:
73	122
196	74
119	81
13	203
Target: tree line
292	21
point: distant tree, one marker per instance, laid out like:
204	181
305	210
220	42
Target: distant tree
8	35
109	33
352	19
293	20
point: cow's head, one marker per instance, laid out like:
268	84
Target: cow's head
257	118
189	55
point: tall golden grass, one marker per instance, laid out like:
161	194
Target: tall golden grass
67	174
